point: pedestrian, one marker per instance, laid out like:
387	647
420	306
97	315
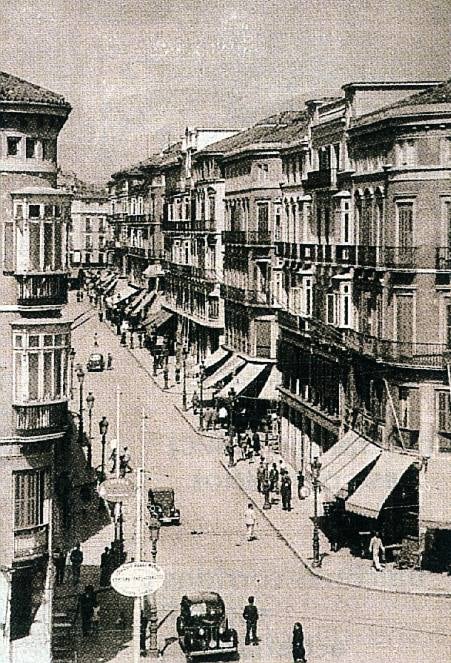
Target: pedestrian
132	342
177	372
285	491
207	416
274	478
59	560
101	315
96	618
230	451
109	361
195	402
250	616
113	458
298	648
87	601
96	340
256	444
143	633
250	521
124	462
223	415
105	564
261	473
141	339
377	551
76	560
123	338
266	490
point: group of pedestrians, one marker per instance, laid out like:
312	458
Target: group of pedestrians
247	444
251	617
274	480
124	461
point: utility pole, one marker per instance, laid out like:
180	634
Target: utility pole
118	403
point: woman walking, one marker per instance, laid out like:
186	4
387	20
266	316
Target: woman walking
298	644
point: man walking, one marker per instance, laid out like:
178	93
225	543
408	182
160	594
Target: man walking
105	563
261	471
59	560
250	615
250	521
109	361
285	491
377	550
76	560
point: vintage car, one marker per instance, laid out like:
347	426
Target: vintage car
96	362
202	627
161	505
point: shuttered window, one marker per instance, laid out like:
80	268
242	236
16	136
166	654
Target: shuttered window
443	412
29	496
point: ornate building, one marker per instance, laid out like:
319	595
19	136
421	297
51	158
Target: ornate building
35	345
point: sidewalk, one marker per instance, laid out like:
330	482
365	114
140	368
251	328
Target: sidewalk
296	527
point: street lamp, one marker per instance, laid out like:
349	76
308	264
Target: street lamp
72	358
154	528
201	389
184	355
90	403
316	468
80	377
103	428
232	401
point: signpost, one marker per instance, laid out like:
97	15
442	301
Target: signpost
116	490
137	579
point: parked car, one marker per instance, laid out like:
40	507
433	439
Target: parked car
96	362
203	629
161	504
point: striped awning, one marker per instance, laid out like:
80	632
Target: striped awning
140	294
218	355
122	294
243	379
158	319
345	460
232	365
145	301
370	496
274	380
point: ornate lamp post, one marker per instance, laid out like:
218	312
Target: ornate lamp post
232	402
90	403
72	359
103	429
316	468
201	390
184	355
80	377
154	528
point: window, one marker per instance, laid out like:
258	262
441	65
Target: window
443	411
88	242
345	308
48	150
405	224
40	366
41	241
406	153
308	297
88	224
324	158
404	318
30	148
262	172
263	217
331	309
277	223
34	211
13	143
30	494
102	224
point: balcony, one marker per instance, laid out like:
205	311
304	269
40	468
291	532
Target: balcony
250	297
137	251
204	225
42	290
176	226
318	179
40	419
247	237
421	355
31	542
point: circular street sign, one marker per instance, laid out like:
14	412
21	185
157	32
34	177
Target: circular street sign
116	490
137	579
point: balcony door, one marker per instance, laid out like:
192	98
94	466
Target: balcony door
405	225
404	318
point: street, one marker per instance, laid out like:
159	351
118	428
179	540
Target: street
209	550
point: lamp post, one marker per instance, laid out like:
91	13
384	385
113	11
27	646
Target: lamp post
103	429
80	377
232	401
90	403
72	359
184	354
154	528
316	468
201	390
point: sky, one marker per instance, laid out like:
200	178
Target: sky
138	72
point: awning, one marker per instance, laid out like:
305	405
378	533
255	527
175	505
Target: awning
435	501
274	380
110	285
218	355
121	295
145	301
153	271
370	496
347	458
231	366
158	319
140	294
243	379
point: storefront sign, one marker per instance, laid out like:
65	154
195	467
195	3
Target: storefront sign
137	579
116	490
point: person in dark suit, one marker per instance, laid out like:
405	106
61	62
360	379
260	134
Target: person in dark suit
285	491
250	616
105	568
298	648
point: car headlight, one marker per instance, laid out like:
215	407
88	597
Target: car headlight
201	631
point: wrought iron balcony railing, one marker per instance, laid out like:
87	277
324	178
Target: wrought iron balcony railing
36	419
247	237
42	289
31	542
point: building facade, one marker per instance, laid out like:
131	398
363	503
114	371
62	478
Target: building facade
364	343
35	347
89	230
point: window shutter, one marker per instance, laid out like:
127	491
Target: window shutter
8	247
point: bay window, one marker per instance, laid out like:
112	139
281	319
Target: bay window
31	497
40	237
40	366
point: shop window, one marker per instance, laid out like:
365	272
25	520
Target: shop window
13	145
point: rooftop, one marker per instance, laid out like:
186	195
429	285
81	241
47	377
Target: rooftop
41	191
14	89
425	101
